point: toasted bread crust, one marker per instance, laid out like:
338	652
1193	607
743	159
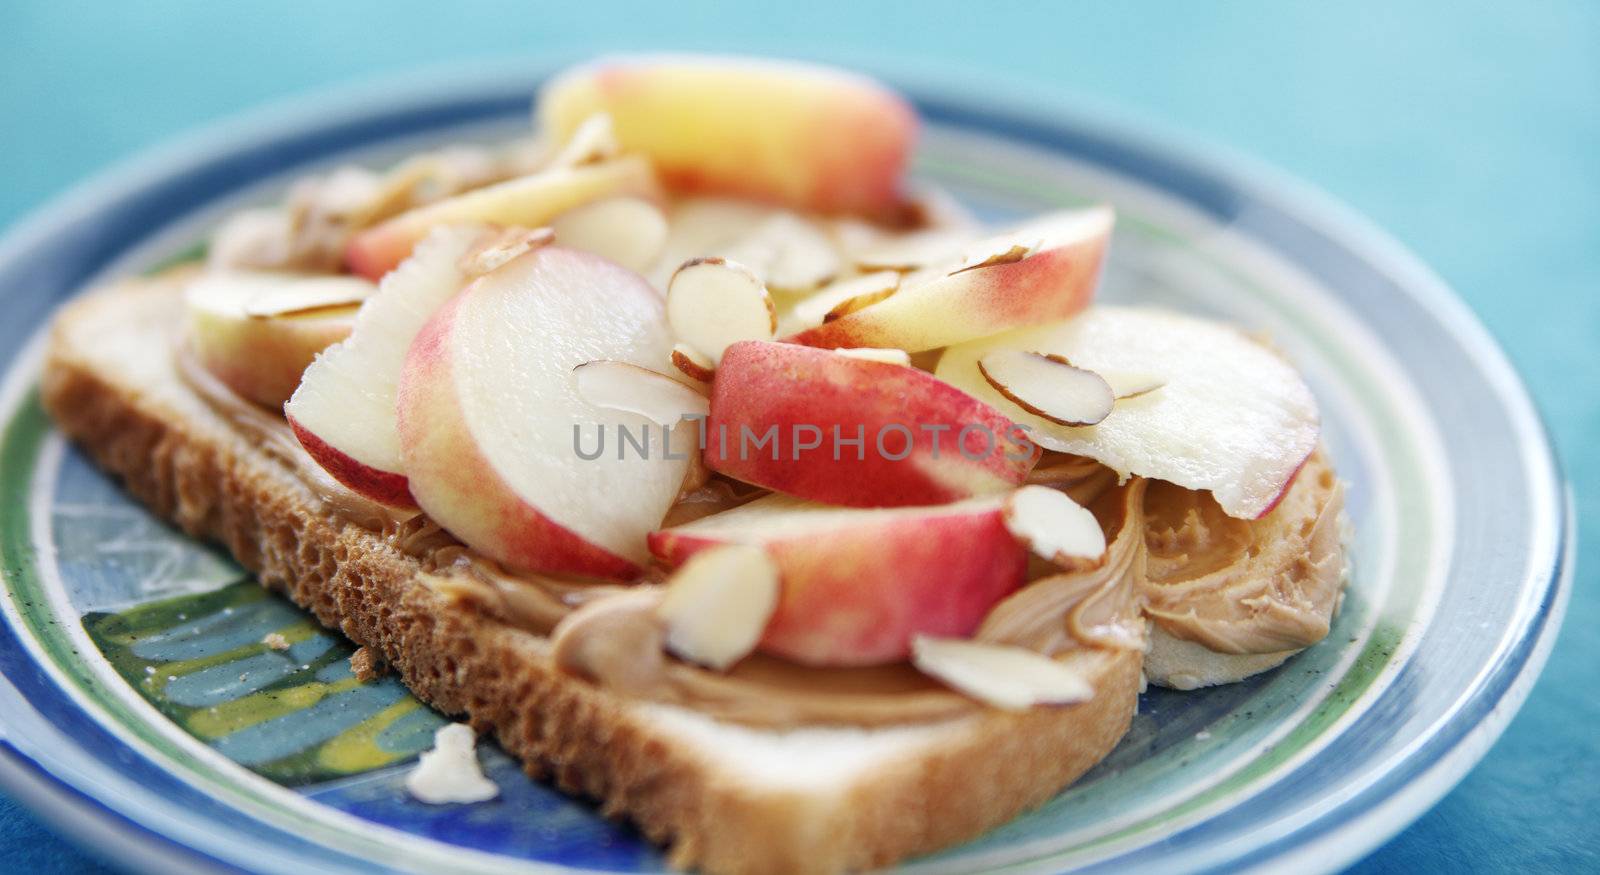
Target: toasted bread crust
204	476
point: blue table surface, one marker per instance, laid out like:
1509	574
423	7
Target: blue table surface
1470	130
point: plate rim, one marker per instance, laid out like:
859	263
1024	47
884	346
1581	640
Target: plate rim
1338	837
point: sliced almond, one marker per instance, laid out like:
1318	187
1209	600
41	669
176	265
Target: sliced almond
1055	527
252	238
307	295
628	230
717	605
1048	386
501	248
713	302
595	140
1023	241
627	387
858	302
430	176
853	293
906	252
693	365
854	236
875	354
1013	678
993	251
346	193
615	640
790	254
1131	384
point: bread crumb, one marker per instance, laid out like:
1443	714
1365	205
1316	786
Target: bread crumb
275	641
367	664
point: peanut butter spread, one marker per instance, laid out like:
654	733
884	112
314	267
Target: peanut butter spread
1235	586
1246	586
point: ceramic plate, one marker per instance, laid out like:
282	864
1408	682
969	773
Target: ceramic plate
140	713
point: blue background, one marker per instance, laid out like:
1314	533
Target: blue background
1470	130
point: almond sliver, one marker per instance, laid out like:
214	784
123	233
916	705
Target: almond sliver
692	364
714	302
593	141
717	605
909	251
1132	384
628	230
627	387
789	253
1012	678
310	293
995	250
497	250
858	302
1048	386
1055	527
850	294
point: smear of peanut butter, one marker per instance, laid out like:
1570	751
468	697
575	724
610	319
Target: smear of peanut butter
1246	586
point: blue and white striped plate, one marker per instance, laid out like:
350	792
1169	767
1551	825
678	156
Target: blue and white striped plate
140	713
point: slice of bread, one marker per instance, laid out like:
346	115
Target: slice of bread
1184	665
722	797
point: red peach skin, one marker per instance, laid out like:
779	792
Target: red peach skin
385	487
856	591
791	389
1051	284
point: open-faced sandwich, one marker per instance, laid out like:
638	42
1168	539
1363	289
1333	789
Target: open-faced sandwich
716	472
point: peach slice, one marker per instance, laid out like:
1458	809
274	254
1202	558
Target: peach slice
527	201
257	331
713	302
499	444
849	431
718	604
805	136
343	410
1013	678
858	584
628	230
1232	418
1048	386
1041	271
